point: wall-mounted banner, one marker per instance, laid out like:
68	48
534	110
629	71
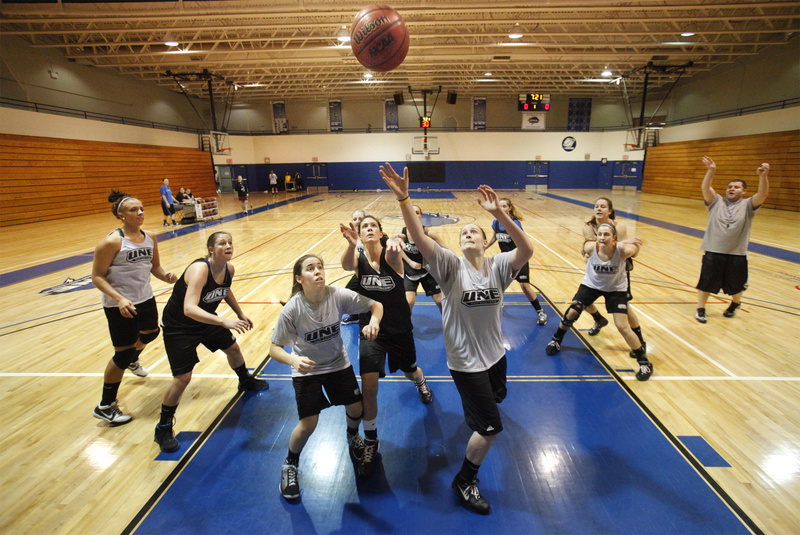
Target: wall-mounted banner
335	114
391	123
534	120
279	123
579	116
479	113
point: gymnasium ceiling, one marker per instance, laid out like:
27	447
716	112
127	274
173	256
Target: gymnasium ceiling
282	49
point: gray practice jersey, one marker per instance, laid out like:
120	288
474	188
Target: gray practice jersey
729	224
472	308
608	276
129	272
312	331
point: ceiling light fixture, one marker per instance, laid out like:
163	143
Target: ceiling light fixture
515	33
170	41
487	74
367	75
687	34
606	72
343	35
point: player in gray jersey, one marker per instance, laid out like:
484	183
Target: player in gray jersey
472	310
727	237
309	323
606	277
121	269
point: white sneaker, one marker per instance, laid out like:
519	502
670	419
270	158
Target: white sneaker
137	369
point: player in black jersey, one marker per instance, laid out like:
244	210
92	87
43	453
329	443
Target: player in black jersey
379	268
189	320
506	244
414	265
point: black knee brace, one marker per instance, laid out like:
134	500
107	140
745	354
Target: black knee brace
149	337
126	356
577	307
354	418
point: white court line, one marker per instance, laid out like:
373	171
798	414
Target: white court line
714	378
287	266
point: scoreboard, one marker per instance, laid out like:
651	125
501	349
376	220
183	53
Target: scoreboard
533	102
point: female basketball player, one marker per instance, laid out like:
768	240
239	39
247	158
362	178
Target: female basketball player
190	320
606	277
472	310
414	266
506	244
309	323
379	268
122	265
604	215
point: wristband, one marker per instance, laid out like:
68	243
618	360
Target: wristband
405	201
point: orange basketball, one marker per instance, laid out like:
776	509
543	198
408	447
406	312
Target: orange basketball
379	38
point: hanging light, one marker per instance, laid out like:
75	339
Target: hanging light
515	33
169	40
343	36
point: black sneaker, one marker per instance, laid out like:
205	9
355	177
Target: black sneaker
251	383
367	466
356	446
553	347
166	439
290	488
166	224
470	496
542	320
111	414
645	371
700	315
731	310
425	393
598	325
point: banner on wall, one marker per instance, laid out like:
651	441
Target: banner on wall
335	114
279	123
534	120
391	122
479	113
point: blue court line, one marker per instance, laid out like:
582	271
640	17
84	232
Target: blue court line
766	250
704	452
20	275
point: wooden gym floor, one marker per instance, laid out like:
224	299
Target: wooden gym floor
731	382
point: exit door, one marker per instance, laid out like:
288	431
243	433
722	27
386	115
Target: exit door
537	176
316	180
626	175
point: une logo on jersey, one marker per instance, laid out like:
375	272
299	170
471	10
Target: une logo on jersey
605	269
215	295
480	298
377	283
324	334
140	254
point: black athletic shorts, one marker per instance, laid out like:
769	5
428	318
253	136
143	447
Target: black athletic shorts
480	393
524	274
125	331
429	284
399	347
182	346
341	388
168	209
723	271
616	302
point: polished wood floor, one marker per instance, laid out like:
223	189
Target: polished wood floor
735	382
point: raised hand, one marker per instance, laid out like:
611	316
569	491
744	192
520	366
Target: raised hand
398	184
349	233
763	170
489	200
709	163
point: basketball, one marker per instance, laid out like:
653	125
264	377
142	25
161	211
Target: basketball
379	38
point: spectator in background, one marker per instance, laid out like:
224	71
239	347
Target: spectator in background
166	203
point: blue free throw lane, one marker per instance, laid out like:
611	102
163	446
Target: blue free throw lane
575	457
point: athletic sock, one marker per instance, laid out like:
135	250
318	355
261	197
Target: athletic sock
536	305
559	335
422	382
703	310
109	393
167	414
292	458
638	332
242	372
371	429
469	471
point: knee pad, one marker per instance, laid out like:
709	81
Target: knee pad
149	337
354	418
577	307
125	357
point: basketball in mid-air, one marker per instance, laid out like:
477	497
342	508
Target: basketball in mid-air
379	38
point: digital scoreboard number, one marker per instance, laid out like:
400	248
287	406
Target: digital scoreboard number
534	102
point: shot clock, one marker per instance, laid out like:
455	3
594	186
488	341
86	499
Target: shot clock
533	102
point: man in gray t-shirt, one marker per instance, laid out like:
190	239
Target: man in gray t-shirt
730	219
